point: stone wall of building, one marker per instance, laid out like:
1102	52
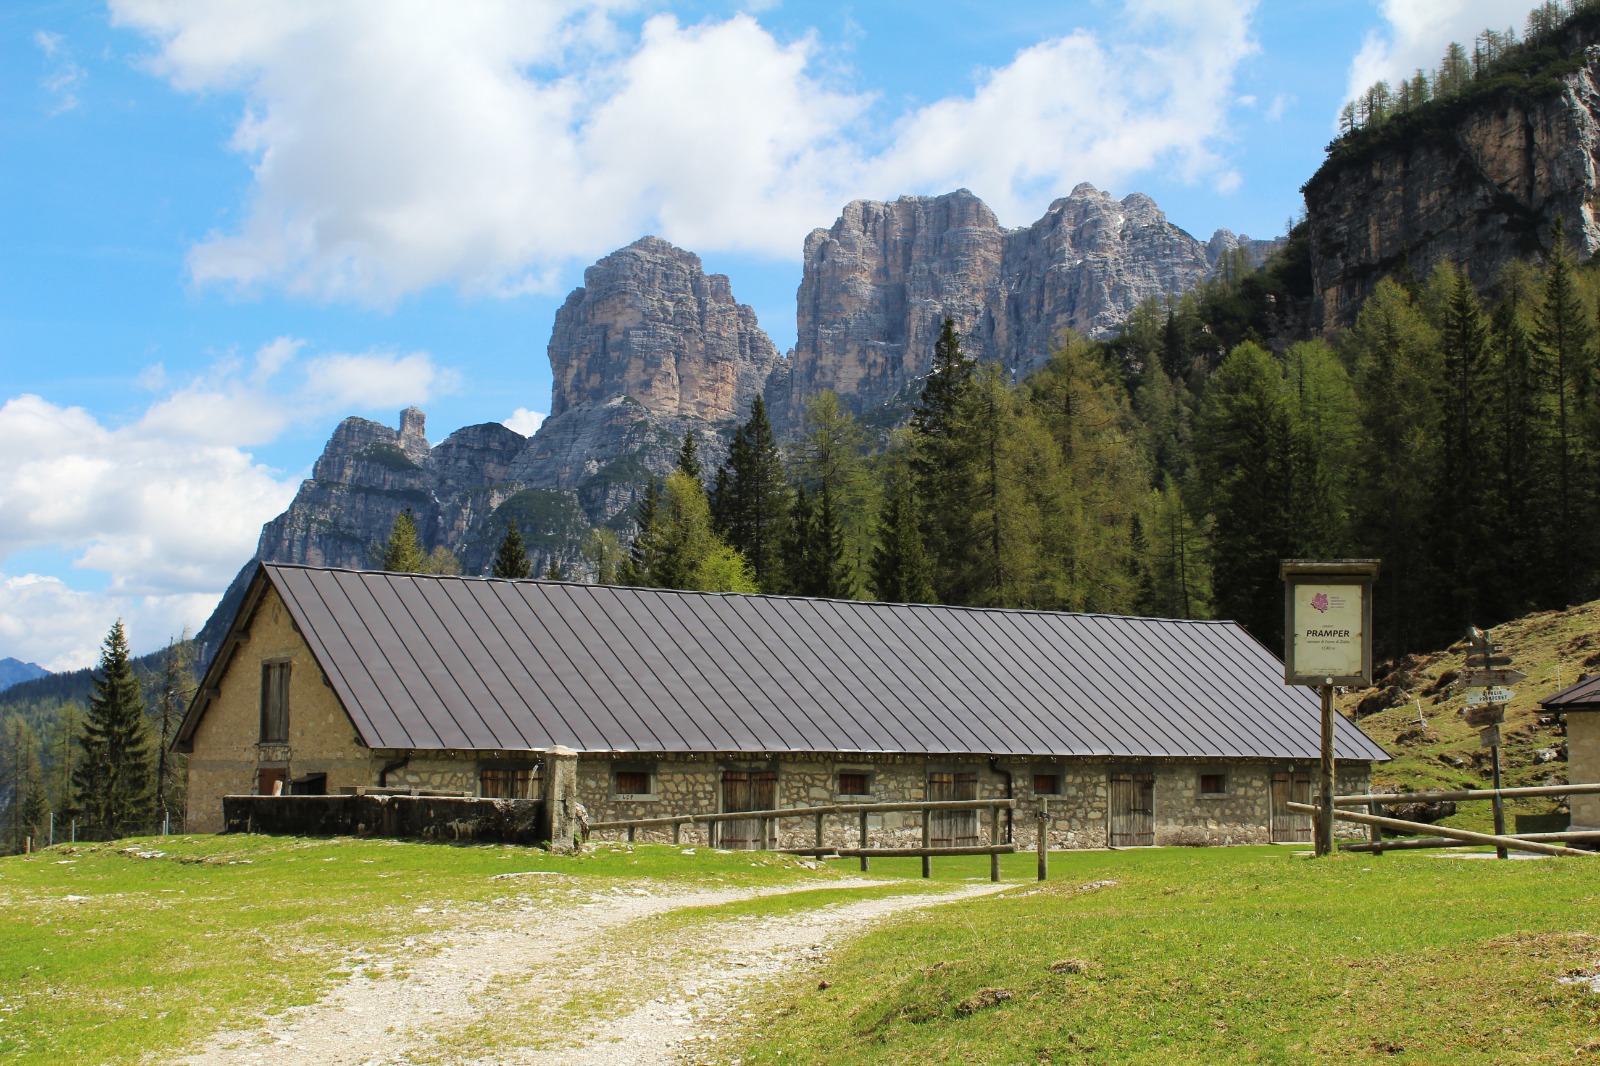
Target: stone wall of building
1583	765
1078	810
228	754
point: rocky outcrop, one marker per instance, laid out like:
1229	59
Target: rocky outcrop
651	325
879	283
1477	184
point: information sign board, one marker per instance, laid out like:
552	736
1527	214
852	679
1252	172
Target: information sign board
1328	621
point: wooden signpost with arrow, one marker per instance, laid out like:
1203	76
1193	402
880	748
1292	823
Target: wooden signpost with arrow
1489	672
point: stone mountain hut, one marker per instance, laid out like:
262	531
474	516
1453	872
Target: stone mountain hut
1136	731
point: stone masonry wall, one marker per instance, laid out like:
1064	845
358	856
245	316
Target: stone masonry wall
691	783
227	749
1583	765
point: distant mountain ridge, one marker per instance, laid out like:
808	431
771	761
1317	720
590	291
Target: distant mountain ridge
15	671
651	347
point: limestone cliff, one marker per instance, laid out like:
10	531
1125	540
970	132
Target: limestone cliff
878	284
1477	181
650	324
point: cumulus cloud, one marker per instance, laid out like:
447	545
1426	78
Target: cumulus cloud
525	421
398	144
63	77
167	506
1416	33
44	620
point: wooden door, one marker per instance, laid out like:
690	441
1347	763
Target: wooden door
1133	810
953	829
748	790
1290	827
266	778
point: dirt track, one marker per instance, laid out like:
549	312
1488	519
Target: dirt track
565	975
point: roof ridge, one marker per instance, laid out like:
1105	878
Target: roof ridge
755	595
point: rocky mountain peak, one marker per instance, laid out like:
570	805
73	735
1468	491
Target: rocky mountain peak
649	323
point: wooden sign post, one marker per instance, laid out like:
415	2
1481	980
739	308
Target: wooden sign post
1327	642
1489	671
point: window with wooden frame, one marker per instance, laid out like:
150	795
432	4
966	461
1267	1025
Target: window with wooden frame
632	782
1213	783
854	783
1047	784
275	703
508	782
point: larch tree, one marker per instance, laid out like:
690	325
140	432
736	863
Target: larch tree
177	689
113	779
511	561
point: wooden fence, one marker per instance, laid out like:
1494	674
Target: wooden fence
772	819
1446	837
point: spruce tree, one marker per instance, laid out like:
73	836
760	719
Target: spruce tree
554	571
511	561
750	505
941	457
1464	497
1563	341
900	570
643	554
113	779
821	569
689	456
799	542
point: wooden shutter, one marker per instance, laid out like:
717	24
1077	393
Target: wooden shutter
1290	827
1133	822
274	703
952	829
747	790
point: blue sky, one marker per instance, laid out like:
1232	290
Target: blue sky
225	227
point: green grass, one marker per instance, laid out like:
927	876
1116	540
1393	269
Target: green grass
106	956
1236	955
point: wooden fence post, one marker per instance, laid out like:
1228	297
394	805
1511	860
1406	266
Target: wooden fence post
819	836
766	831
630	834
866	863
1376	835
677	833
927	842
1044	839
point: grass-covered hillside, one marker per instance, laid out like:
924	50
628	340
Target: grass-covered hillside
1415	712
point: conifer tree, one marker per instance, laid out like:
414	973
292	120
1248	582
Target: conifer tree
689	553
113	780
689	456
643	554
554	571
177	689
401	553
821	568
1521	436
1563	337
829	458
1177	580
1242	443
1395	353
511	561
751	501
799	542
900	570
940	458
604	552
1464	495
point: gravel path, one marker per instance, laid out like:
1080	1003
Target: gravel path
562	974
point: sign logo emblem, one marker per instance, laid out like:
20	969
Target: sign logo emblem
1320	602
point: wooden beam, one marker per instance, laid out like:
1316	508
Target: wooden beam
1450	842
980	849
1464	794
1444	831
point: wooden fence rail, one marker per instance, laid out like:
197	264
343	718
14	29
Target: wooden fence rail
1444	831
994	849
1463	795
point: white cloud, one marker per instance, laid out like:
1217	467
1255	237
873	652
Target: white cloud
376	379
64	77
44	620
1416	33
400	144
168	506
525	421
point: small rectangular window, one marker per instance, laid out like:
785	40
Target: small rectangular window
1046	784
508	782
633	782
274	703
1213	784
854	784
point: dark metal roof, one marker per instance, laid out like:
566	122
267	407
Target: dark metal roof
426	662
1583	696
